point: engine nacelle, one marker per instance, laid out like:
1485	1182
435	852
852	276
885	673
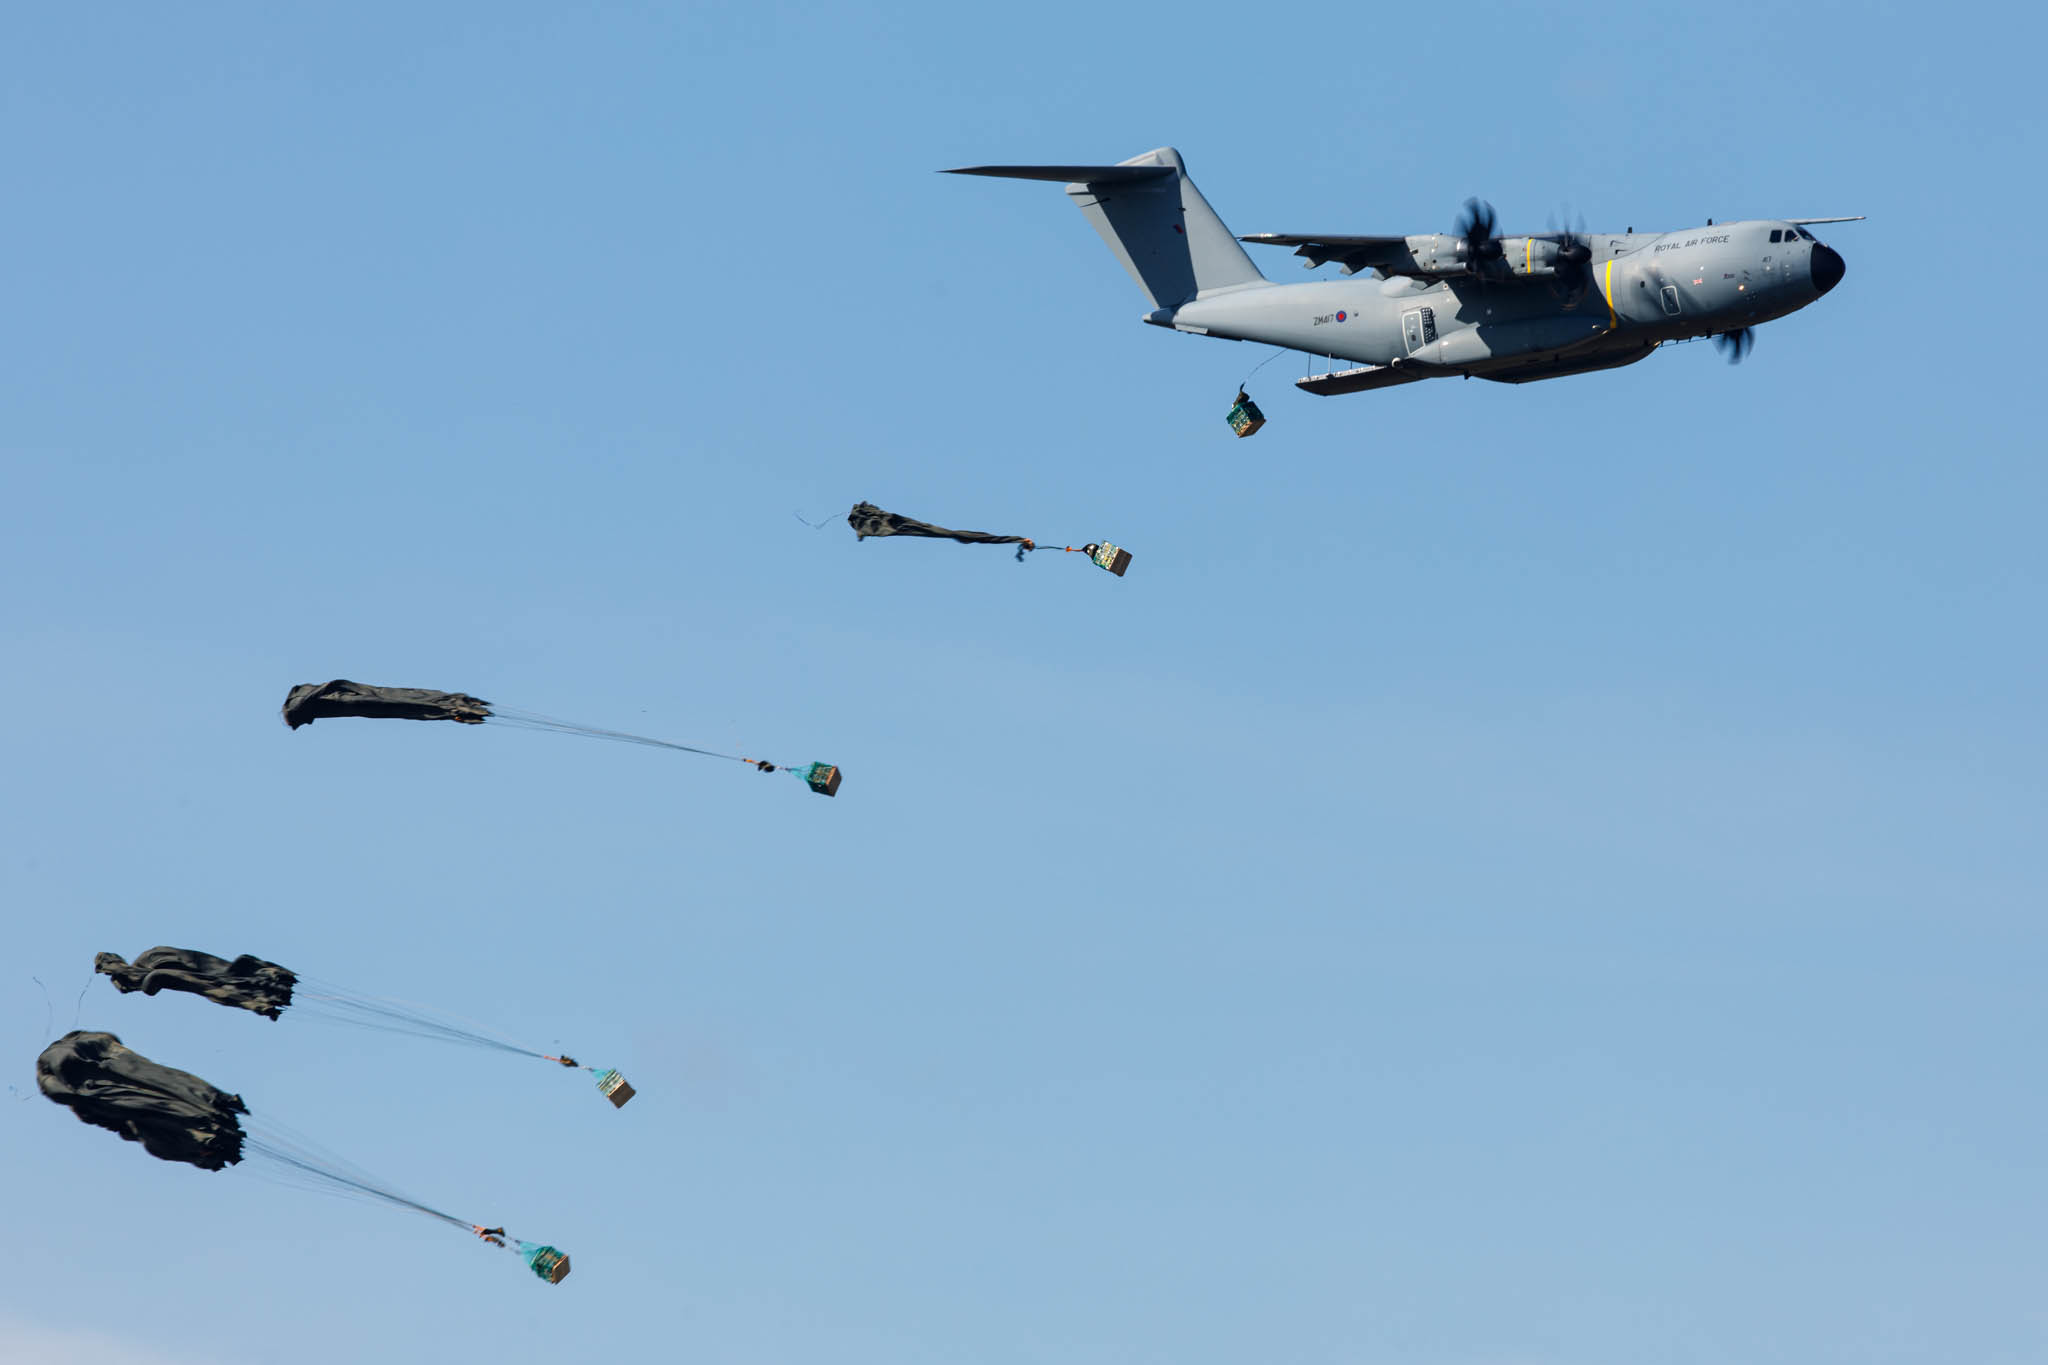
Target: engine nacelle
1442	253
1428	255
1530	255
1437	253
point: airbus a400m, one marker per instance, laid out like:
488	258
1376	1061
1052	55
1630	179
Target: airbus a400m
1471	302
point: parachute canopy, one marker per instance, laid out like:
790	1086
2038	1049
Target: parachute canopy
178	1117
309	702
173	1114
247	983
866	519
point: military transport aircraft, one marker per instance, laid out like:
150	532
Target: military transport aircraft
1512	309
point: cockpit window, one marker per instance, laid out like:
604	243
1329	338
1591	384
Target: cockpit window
1777	235
1804	233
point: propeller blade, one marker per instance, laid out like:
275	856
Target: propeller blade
1477	221
1478	226
1572	259
1736	344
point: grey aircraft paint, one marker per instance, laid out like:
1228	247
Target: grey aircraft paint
1426	310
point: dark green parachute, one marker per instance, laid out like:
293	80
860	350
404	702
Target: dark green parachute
247	982
309	702
266	988
866	519
174	1115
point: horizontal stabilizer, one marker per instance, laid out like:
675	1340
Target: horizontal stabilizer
1363	378
1069	175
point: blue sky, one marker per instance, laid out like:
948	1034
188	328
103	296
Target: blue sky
1513	876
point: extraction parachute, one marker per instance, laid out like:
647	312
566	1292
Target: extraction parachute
866	519
176	1116
265	988
309	702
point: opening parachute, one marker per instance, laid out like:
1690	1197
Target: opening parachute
309	702
177	1116
866	519
266	988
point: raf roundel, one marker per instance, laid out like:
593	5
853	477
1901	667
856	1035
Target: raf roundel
1341	316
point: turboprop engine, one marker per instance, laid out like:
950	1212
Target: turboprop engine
1441	253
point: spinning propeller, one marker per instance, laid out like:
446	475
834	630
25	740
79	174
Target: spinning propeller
1569	261
1477	225
1573	260
1735	344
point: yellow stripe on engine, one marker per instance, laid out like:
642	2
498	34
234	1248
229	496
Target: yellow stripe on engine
1608	288
1528	248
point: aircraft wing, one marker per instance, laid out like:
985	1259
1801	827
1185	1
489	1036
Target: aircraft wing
1808	222
1352	253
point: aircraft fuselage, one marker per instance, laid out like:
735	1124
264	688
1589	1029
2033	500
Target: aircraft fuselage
1645	289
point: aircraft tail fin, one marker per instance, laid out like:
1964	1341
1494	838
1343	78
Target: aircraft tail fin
1154	221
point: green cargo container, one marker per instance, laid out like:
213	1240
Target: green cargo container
1245	417
1110	557
613	1087
551	1265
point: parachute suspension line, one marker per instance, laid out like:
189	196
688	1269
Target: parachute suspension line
323	1001
328	1173
328	1003
397	1016
49	1031
1278	351
528	720
822	778
50	1007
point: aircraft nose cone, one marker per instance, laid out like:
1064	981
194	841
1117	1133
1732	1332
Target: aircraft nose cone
1828	267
